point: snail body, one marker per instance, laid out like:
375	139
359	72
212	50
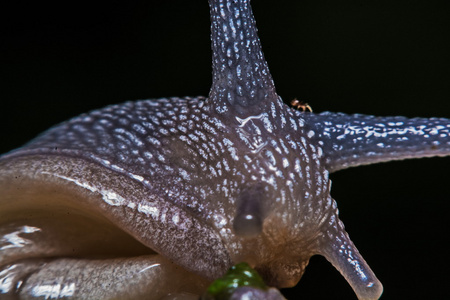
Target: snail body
187	187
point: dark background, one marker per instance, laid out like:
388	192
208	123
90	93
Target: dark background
382	57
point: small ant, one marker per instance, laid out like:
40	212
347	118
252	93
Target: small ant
300	105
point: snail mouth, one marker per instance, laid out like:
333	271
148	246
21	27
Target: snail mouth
56	240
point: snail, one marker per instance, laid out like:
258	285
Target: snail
205	182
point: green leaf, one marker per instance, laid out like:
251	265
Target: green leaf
237	276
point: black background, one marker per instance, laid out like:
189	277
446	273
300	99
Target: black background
382	57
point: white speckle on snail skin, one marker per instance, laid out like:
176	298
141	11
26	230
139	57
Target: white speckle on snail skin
149	210
238	176
54	290
113	198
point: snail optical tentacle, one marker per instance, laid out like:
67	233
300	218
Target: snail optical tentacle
241	77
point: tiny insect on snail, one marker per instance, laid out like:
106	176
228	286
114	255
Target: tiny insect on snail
300	105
